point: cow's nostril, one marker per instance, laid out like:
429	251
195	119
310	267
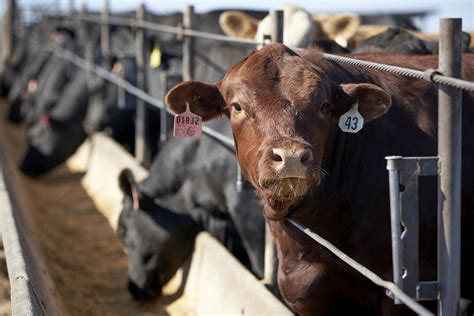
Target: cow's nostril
275	157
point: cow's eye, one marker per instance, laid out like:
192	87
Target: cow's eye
236	107
325	108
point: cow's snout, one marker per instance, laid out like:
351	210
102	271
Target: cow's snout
291	162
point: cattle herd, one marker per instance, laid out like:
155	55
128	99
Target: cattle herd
282	108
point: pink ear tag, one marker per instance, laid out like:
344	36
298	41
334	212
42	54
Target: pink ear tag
187	124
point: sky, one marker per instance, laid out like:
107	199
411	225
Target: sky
436	8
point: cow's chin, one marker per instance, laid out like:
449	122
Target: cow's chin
284	189
281	193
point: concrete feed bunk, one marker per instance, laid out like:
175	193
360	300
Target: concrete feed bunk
73	261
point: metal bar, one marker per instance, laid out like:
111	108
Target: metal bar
57	7
142	152
175	30
449	152
270	268
395	209
188	42
23	301
8	27
105	34
276	17
163	114
72	7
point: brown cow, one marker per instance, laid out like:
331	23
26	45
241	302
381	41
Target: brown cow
284	110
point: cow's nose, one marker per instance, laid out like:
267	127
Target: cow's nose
291	158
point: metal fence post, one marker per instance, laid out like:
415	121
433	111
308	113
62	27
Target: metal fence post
72	7
8	29
188	43
449	152
270	268
88	51
163	113
277	26
142	152
57	7
104	34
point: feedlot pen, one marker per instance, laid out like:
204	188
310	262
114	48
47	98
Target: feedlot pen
84	258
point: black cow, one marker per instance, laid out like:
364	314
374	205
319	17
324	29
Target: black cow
28	69
149	244
58	133
197	178
43	80
400	41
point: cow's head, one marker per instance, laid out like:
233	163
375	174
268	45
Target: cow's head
158	241
284	113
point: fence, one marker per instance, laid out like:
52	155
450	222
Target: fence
446	289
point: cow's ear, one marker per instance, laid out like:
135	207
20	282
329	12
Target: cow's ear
204	99
129	187
238	24
373	100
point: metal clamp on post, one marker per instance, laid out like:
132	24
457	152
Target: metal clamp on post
428	74
180	33
404	218
267	39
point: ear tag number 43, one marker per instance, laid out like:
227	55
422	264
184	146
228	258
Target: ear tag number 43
351	121
187	124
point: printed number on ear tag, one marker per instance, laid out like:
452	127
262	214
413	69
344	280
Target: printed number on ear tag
187	124
351	121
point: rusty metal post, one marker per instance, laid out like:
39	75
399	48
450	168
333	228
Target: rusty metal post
270	268
105	34
188	43
449	152
142	152
8	29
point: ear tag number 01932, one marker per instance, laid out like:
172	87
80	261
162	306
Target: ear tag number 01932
351	121
187	124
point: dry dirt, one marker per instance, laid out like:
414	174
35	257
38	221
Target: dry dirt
86	260
4	285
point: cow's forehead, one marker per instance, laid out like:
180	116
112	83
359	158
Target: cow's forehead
274	70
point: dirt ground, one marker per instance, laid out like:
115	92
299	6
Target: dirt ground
85	258
4	285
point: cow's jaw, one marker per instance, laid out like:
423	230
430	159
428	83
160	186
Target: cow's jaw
288	188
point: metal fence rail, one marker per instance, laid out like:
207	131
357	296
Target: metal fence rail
179	31
429	74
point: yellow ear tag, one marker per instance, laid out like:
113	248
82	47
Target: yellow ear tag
155	57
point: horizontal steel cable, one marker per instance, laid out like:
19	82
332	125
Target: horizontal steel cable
407	72
171	29
105	74
390	286
429	74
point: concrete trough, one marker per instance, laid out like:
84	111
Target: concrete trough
213	281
